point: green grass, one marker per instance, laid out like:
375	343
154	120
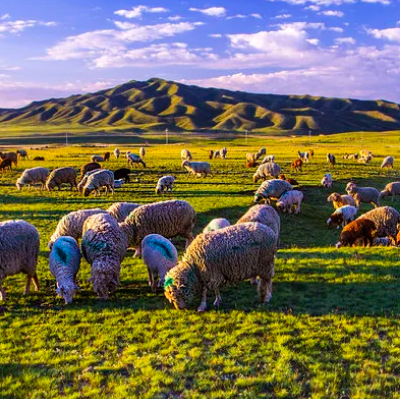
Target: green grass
331	328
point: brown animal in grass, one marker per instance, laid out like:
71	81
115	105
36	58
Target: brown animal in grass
12	156
210	154
88	167
107	156
362	229
4	165
293	182
38	159
311	152
297	165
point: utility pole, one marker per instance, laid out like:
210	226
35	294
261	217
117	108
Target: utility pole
166	136
309	136
66	139
246	132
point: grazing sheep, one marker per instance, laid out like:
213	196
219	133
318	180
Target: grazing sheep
118	183
229	255
388	162
117	153
341	200
217	154
98	179
251	160
271	189
368	195
61	176
88	167
342	216
64	260
327	180
160	256
266	170
38	159
97	158
186	155
223	152
84	179
134	159
366	154
32	176
121	210
350	156
22	154
268	158
19	250
216	224
385	219
104	246
210	154
304	156
297	165
72	223
331	159
392	189
5	165
107	156
293	182
142	152
261	152
365	159
383	242
168	218
122	173
12	156
289	201
197	168
359	229
165	183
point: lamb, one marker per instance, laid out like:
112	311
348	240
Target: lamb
271	189
293	182
342	216
186	155
19	250
165	183
72	224
210	154
229	255
197	168
64	260
122	173
359	229
341	200
363	194
289	201
388	162
142	152
266	170
22	154
160	256
32	176
392	189
304	156
297	165
251	159
385	219
223	152
217	154
168	218
216	224
261	152
121	210
116	153
107	156
5	165
331	159
268	158
97	180
327	180
88	167
118	183
60	176
134	159
97	158
104	246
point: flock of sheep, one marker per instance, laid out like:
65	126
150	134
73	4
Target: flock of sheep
221	254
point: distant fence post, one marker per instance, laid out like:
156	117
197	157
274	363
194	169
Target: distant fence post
166	136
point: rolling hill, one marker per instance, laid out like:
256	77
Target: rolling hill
157	104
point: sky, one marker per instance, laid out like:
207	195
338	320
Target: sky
333	48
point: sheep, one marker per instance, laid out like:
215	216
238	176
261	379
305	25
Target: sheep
388	162
359	229
216	224
186	155
104	246
38	159
84	179
385	219
168	218
5	165
311	153
365	159
19	251
340	200
32	176
142	152
88	167
251	160
60	176
271	189
350	156
293	182
304	156
107	156
268	158
118	183
210	154
64	260
160	256
98	179
22	154
134	159
223	152
122	173
217	154
165	183
383	242
121	210
261	152
96	158
197	168
116	153
12	156
331	159
229	255
289	201
363	194
342	216
72	223
366	154
297	165
392	189
327	180
266	170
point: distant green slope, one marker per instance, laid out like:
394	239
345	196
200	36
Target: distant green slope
157	104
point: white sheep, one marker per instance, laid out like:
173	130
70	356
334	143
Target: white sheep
216	224
289	201
261	152
268	158
363	194
116	153
186	155
165	183
134	159
269	169
271	189
327	180
342	216
388	162
142	152
391	189
121	210
304	156
32	176
118	183
341	200
197	168
100	178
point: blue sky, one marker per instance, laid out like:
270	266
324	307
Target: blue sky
335	48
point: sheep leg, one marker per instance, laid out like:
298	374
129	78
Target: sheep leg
265	289
203	304
28	285
2	293
36	282
152	283
138	252
218	299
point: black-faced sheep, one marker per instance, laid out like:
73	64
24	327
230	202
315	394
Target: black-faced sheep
5	165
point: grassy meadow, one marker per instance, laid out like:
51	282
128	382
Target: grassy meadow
331	329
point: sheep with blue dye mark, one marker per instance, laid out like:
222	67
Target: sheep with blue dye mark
33	176
97	180
121	210
19	251
271	189
65	260
104	246
229	255
160	256
216	224
269	169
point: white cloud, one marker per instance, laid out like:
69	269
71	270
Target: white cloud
215	35
391	34
345	40
5	16
331	2
242	16
283	16
9	68
333	13
18	26
138	11
256	15
313	8
212	11
175	18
